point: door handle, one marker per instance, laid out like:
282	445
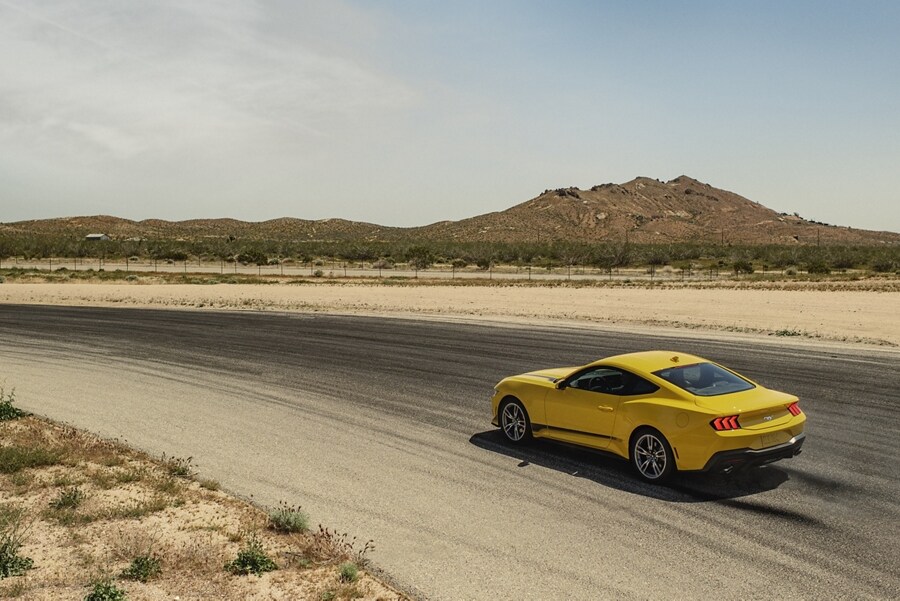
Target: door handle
604	408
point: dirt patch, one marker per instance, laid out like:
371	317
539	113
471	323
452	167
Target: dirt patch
85	512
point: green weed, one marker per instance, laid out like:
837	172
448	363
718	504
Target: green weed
105	590
8	411
13	531
142	568
68	499
787	332
14	459
348	572
181	467
251	559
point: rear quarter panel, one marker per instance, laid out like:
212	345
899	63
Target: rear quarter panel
658	412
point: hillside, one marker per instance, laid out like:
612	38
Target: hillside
645	210
682	209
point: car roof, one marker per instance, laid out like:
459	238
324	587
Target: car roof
650	361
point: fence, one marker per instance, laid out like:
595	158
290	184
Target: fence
337	269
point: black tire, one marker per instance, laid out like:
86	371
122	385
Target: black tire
651	456
514	421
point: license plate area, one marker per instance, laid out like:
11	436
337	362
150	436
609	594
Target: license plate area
770	440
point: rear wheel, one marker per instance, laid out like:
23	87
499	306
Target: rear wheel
514	422
651	455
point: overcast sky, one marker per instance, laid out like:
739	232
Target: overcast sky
410	112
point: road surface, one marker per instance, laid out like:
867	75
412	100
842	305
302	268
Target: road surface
380	427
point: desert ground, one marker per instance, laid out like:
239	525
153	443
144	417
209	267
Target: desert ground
830	314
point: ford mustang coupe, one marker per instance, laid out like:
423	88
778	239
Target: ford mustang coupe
664	411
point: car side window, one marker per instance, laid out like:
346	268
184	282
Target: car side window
611	380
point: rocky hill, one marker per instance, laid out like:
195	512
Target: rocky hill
649	211
644	210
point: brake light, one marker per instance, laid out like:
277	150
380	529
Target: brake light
725	423
794	408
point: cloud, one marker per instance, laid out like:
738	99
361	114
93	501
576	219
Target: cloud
127	79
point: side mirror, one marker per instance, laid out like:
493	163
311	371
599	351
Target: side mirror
560	384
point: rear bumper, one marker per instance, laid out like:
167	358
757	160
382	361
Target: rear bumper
726	461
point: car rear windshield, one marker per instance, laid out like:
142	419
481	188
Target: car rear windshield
704	379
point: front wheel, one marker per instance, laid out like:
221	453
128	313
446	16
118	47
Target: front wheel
652	456
514	422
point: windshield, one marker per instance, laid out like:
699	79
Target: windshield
704	379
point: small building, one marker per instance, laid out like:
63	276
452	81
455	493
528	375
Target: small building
96	237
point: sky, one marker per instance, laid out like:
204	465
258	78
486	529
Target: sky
404	113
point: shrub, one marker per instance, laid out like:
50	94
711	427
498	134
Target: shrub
12	537
348	572
142	568
326	545
68	499
818	266
7	410
105	590
883	265
318	273
286	518
251	559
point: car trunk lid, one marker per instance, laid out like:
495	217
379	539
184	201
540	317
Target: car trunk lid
757	409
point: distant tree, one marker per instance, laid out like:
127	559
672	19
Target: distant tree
254	256
419	257
742	266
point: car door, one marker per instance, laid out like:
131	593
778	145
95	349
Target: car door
583	409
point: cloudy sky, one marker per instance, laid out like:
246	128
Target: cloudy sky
410	112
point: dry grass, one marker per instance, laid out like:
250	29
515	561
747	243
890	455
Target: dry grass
90	507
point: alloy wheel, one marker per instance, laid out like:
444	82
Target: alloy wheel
514	422
650	456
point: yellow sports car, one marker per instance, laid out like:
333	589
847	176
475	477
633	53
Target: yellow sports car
664	411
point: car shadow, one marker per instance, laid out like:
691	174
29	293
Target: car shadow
613	471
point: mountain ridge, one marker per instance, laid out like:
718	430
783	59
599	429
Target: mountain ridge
643	210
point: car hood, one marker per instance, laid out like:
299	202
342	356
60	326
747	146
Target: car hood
755	399
547	375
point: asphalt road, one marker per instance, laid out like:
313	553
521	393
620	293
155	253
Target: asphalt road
380	427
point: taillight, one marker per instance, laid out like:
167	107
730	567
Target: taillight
794	408
725	423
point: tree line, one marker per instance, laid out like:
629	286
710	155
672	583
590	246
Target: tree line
483	255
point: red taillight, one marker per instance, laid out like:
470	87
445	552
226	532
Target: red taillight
725	423
794	408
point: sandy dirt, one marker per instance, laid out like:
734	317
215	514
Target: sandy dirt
854	316
129	505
